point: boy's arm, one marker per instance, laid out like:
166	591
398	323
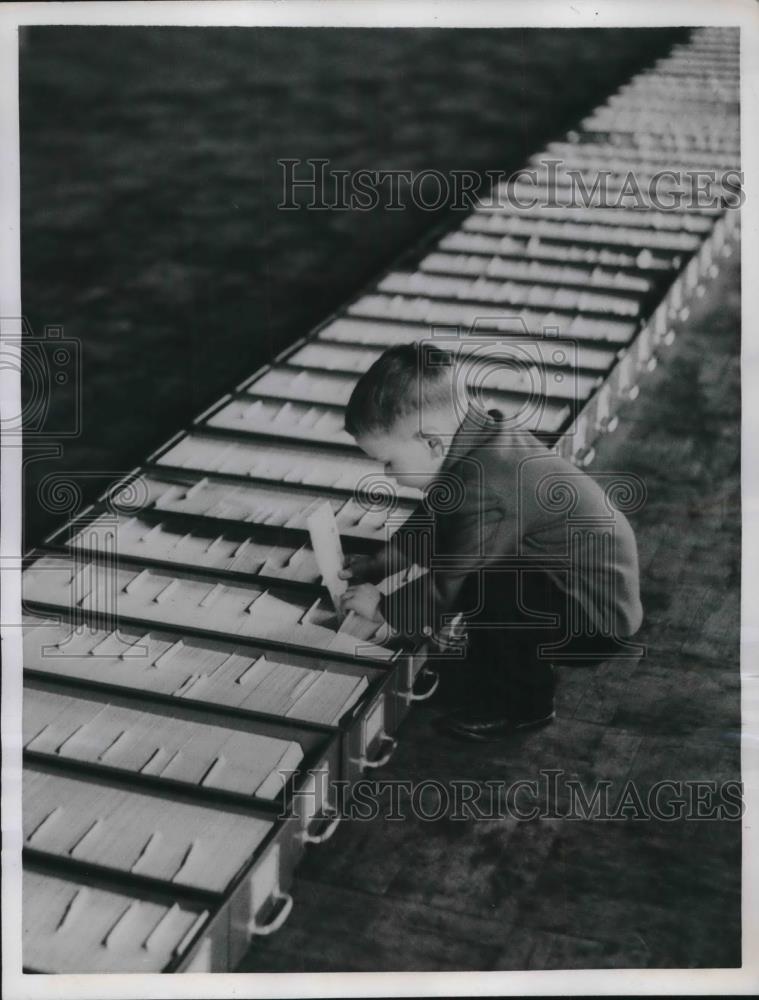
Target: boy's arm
398	552
464	542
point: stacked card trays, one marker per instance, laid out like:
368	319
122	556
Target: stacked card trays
172	783
194	705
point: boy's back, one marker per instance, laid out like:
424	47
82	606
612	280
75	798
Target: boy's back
503	501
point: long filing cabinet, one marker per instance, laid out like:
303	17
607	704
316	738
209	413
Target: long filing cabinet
195	711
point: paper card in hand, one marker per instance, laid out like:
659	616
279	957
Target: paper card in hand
325	541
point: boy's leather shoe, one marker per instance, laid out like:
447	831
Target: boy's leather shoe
492	727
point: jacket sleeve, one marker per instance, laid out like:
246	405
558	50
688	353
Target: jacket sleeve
403	548
460	544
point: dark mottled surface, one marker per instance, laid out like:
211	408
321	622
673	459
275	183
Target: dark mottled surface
556	893
149	190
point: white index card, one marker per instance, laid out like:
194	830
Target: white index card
325	541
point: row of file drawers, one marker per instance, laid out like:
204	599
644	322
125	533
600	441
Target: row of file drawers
142	833
522	250
690	109
218	700
72	728
356	332
167	541
644	117
70	925
215	499
531	271
281	463
533	407
598	415
521	370
615	118
677	88
472	318
580	215
508	292
322	423
647	165
182	600
582	232
223	675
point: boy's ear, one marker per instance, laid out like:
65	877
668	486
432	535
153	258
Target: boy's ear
436	445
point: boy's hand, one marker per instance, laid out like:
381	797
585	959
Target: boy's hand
359	568
364	599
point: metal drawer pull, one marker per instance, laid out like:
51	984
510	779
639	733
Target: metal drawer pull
320	838
430	690
262	930
365	762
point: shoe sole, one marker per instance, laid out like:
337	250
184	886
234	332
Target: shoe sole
521	727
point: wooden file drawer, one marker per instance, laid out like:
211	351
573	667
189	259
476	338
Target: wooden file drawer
649	219
498	319
356	331
248	860
535	270
300	384
314	466
280	686
102	589
309	422
171	840
169	542
494	367
533	248
589	232
273	506
508	292
77	924
87	731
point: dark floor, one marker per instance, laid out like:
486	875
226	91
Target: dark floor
557	893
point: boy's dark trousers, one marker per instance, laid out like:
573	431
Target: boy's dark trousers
521	624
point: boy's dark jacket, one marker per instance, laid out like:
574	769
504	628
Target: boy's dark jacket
503	500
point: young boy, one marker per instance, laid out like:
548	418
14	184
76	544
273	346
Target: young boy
516	541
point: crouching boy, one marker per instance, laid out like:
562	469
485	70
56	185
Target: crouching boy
517	543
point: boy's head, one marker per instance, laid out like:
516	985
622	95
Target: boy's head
405	409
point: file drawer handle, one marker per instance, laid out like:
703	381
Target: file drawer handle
412	696
392	744
320	838
262	930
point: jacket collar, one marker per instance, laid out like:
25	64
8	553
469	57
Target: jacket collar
477	427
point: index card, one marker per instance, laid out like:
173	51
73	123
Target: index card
325	541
